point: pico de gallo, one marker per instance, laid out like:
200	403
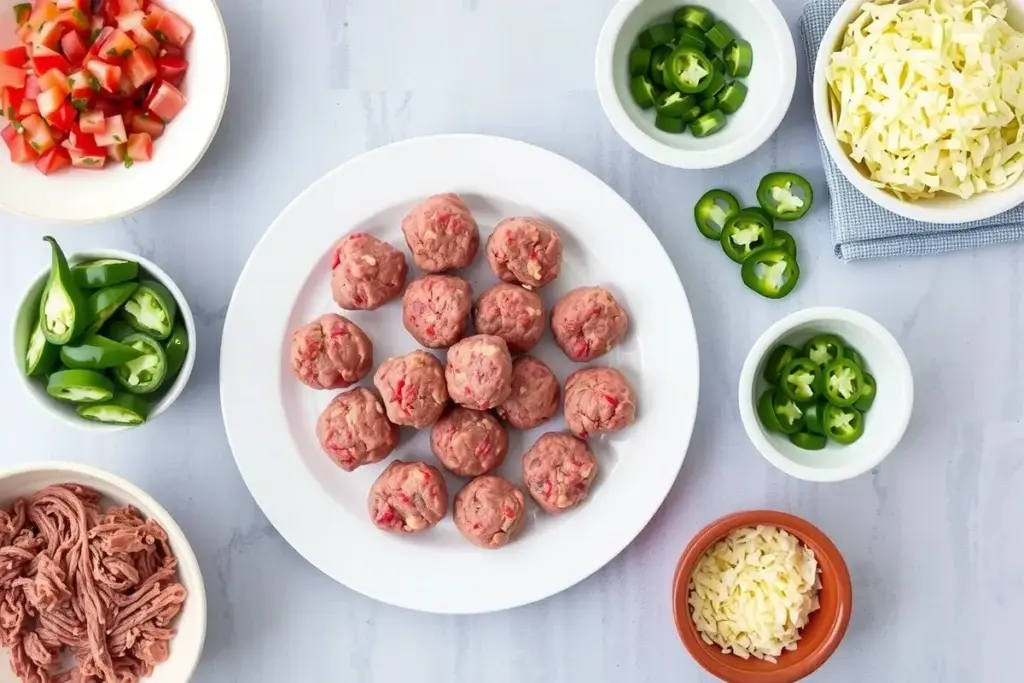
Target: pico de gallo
93	81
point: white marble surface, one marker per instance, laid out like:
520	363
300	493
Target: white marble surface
932	538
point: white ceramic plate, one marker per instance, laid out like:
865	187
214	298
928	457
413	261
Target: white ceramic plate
270	416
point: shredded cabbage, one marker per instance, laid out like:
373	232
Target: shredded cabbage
927	96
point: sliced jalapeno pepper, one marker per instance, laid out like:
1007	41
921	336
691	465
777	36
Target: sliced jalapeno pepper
713	211
783	240
41	355
720	35
715	86
807	441
104	272
659	34
121	409
145	374
771	272
854	355
643	92
843	424
708	124
802	380
758	211
788	412
732	97
79	386
669	124
868	390
843	382
688	70
674	104
176	348
151	309
814	416
824	348
708	104
118	330
766	412
686	35
695	17
786	196
639	61
104	303
743	234
62	310
96	353
777	361
692	114
739	58
659	55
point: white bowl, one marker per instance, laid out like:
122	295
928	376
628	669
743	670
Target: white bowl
190	623
770	83
885	423
28	314
84	196
946	209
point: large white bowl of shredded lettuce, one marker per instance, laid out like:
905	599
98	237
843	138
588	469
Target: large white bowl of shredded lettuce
920	103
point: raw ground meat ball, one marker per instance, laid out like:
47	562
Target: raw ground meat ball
558	471
598	401
490	511
479	372
367	273
441	233
354	430
331	352
512	313
587	323
435	309
413	389
408	497
534	397
469	442
526	251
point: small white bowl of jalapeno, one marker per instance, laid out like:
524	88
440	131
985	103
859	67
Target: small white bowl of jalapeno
104	339
826	394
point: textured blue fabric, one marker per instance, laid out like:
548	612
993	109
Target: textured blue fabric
860	228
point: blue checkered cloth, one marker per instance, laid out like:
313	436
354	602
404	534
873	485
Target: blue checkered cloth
861	229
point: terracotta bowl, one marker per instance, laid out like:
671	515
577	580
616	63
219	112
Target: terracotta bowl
819	638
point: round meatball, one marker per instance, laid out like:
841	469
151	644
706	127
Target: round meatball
435	309
598	401
408	497
558	471
534	397
413	389
441	233
354	431
368	273
526	251
587	323
331	352
490	511
469	442
512	313
479	372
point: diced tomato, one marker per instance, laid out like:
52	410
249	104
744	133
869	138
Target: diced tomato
92	160
42	14
80	140
165	101
140	147
49	34
73	47
37	132
28	107
130	21
64	117
55	79
173	28
126	6
55	160
145	39
171	69
154	14
97	43
21	151
80	5
15	56
92	122
108	75
49	101
106	106
167	50
96	28
32	88
8	133
144	123
10	102
45	58
113	133
141	68
117	152
11	77
116	47
73	20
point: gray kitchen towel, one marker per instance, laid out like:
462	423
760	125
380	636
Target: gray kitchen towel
861	229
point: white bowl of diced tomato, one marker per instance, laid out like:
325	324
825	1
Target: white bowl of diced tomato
106	105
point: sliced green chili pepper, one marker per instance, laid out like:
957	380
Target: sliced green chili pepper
758	211
639	61
669	124
843	424
824	348
659	34
62	309
687	35
96	353
658	57
41	355
22	12
79	386
708	124
868	390
854	355
766	412
103	303
642	91
713	211
145	374
777	361
783	240
720	35
775	194
151	309
708	104
674	104
743	234
104	272
718	64
808	442
814	416
732	97
121	409
692	114
843	382
787	411
688	70
696	17
802	380
715	86
771	272
117	330
739	58
176	349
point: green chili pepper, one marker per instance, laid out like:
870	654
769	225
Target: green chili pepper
695	17
96	353
758	211
843	424
62	309
104	303
658	57
715	86
121	409
708	124
151	309
673	104
777	361
22	12
642	91
659	34
708	104
176	349
686	35
814	416
688	70
766	412
739	58
854	355
808	442
639	61
843	382
743	234
788	412
79	386
732	97
692	114
713	211
824	348
771	272
783	240
720	35
118	330
786	196
41	355
669	124
104	272
868	390
145	374
802	380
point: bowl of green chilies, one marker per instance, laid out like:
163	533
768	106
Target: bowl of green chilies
104	339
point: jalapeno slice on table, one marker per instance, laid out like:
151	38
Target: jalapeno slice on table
758	211
868	390
104	303
708	124
785	241
176	349
659	34
814	416
151	309
643	91
41	355
695	17
732	97
720	35
104	272
824	348
739	58
843	382
786	196
713	210
743	234
79	386
639	61
777	362
62	308
802	380
843	424
771	272
808	441
97	353
120	409
147	373
688	70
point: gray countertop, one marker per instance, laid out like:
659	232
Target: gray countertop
931	537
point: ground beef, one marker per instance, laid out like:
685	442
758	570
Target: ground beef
366	272
413	389
598	401
435	309
441	233
469	442
408	497
512	313
479	372
332	352
526	251
558	471
354	430
587	323
490	511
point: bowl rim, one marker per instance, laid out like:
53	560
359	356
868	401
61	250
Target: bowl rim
657	151
748	376
177	387
968	211
826	553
